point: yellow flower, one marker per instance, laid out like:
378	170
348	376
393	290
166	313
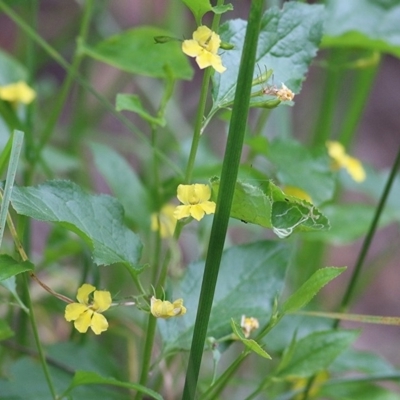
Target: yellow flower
18	92
86	314
342	160
166	309
204	46
301	384
166	219
195	199
248	325
297	192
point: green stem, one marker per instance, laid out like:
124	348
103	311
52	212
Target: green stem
37	339
362	86
66	86
368	239
334	76
229	173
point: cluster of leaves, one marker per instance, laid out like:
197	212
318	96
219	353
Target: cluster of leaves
255	278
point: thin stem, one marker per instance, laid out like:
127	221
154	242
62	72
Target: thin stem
368	239
229	173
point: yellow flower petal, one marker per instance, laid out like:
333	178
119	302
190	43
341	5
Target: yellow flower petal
191	48
182	212
202	35
297	192
248	324
179	308
83	322
101	300
208	207
74	310
99	323
18	92
197	212
83	293
355	169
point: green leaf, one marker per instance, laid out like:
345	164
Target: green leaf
98	219
5	331
92	378
250	203
10	267
288	41
271	208
366	24
315	352
356	390
300	167
132	102
249	343
11	285
349	222
136	52
198	8
310	288
251	276
11	70
124	184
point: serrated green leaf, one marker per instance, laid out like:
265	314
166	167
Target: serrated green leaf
250	278
5	331
249	343
132	102
315	352
135	51
298	166
310	288
10	267
92	378
288	41
222	8
270	207
124	184
250	203
366	24
98	219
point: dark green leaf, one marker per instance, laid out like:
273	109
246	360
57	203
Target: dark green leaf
131	102
250	278
10	267
92	378
367	24
315	352
98	219
136	51
310	288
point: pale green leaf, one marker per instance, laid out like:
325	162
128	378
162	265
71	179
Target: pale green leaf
310	288
5	331
366	24
288	41
132	102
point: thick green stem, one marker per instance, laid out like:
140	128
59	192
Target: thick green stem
229	173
